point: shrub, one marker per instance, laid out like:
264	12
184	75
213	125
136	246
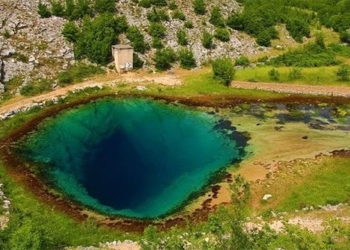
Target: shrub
145	3
207	40
343	73
43	11
298	28
199	7
274	75
223	69
216	18
157	16
156	30
295	73
345	36
235	22
138	63
36	87
164	58
222	34
172	5
159	2
57	8
310	55
188	25
157	43
181	37
264	38
242	61
78	73
136	38
186	58
70	31
103	6
82	8
177	14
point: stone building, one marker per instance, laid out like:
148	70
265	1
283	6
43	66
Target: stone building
123	57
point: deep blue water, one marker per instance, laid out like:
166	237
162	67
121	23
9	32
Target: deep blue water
133	157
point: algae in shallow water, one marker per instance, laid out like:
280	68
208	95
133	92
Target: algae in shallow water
132	157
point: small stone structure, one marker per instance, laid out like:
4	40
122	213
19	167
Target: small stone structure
123	57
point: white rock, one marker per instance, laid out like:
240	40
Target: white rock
266	197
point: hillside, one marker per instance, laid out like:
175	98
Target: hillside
32	47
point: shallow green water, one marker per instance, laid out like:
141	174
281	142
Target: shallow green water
133	157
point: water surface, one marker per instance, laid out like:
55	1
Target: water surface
133	157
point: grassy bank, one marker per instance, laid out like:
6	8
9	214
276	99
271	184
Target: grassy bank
201	82
311	76
305	184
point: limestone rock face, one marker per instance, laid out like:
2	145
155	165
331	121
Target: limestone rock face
239	44
31	47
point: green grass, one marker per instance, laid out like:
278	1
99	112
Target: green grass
203	83
55	228
312	76
329	184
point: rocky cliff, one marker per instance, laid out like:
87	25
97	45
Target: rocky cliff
33	47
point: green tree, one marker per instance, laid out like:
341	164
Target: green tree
222	34
103	6
97	36
156	30
216	18
136	38
207	40
164	58
186	58
57	8
43	11
223	69
181	37
274	74
343	73
70	31
199	7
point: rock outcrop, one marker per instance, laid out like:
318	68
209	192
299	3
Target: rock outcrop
31	47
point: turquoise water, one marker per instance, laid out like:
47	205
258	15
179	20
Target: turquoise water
132	157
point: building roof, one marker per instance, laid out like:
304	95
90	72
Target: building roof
122	46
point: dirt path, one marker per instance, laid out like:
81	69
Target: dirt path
294	88
25	102
172	79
